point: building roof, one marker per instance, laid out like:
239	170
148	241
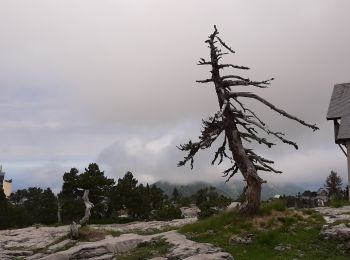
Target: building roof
344	129
340	102
339	108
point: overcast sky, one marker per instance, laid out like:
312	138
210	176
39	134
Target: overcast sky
113	82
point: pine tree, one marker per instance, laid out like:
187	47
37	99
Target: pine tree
333	185
4	213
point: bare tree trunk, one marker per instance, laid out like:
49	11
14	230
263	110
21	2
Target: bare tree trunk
59	218
252	194
74	228
88	207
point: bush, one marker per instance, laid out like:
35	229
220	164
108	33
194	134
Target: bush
168	213
206	210
337	203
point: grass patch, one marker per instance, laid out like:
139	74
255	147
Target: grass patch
88	234
274	226
111	232
266	208
335	203
149	250
338	222
116	220
155	230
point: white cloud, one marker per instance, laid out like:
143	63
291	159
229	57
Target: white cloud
158	145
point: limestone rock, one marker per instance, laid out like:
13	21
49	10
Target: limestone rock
281	247
183	248
245	239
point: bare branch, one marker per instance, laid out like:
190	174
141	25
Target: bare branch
256	138
221	152
222	66
204	81
233	77
212	128
225	45
273	107
204	62
232	171
250	111
244	82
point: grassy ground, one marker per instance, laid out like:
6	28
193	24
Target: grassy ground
146	251
296	232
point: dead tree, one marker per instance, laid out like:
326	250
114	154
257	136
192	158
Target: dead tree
236	122
74	228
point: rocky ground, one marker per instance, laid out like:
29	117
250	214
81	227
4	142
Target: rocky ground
52	243
338	225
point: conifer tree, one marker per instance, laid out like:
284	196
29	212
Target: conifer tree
334	184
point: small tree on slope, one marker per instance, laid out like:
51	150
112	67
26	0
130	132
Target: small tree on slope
333	185
236	122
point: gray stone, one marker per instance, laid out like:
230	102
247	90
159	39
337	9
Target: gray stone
244	239
282	247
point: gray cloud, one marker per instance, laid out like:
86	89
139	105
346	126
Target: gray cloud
81	81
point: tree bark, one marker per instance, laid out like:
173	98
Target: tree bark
88	207
74	228
252	194
59	218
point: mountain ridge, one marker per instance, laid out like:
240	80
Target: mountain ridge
230	189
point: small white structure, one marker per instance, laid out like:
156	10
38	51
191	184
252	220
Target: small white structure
7	186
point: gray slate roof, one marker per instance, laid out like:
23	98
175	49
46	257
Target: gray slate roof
340	102
339	108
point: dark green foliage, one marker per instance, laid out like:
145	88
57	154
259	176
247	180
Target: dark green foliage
138	201
19	217
32	205
4	212
40	205
176	196
168	213
123	195
48	207
99	186
72	190
71	204
333	185
338	203
210	202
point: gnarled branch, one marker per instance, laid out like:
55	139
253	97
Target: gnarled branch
273	107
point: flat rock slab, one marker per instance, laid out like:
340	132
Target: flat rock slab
30	239
180	248
146	225
333	214
333	231
99	249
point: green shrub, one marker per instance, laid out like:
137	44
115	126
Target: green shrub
206	210
168	213
337	203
